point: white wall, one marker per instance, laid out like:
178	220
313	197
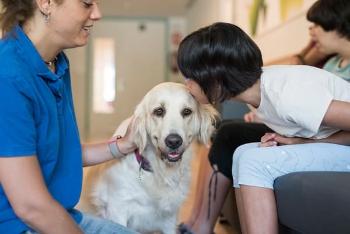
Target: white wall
79	80
177	26
204	12
288	38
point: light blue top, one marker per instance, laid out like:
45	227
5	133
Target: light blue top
37	118
333	66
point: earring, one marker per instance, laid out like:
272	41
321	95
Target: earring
47	18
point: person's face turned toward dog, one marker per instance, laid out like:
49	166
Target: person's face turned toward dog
196	91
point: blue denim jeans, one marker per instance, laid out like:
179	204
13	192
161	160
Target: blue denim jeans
260	166
94	225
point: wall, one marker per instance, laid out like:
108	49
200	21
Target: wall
283	39
204	12
79	79
287	38
177	30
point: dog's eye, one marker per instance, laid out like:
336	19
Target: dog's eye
186	112
160	112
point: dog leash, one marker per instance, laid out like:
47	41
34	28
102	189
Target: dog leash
213	176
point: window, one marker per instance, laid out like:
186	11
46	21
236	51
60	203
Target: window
104	75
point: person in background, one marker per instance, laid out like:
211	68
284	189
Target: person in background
41	156
330	35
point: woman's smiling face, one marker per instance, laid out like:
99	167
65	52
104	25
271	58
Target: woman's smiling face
72	20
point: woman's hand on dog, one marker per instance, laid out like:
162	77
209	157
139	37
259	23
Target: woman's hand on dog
126	144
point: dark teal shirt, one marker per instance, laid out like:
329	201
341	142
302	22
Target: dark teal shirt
37	118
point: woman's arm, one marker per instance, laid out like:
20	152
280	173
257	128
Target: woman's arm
25	188
96	153
100	152
309	55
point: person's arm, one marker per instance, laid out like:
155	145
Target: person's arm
97	153
309	55
337	116
27	193
273	139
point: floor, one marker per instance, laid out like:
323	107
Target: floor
220	228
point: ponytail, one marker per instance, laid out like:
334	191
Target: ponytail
15	12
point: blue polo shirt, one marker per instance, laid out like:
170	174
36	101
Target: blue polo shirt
37	118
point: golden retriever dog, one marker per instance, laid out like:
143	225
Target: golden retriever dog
145	189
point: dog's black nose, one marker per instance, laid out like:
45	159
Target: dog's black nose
173	141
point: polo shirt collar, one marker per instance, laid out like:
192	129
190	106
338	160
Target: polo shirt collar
26	47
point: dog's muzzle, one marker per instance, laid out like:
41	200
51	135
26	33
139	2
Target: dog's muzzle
173	142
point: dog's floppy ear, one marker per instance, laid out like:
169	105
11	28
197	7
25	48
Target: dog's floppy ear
208	117
139	127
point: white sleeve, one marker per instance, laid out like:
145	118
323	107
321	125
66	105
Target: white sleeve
306	106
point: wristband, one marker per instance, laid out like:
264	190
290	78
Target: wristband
114	149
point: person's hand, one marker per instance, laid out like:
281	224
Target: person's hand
126	144
268	140
310	46
273	139
311	55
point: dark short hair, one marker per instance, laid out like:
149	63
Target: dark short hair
331	15
222	59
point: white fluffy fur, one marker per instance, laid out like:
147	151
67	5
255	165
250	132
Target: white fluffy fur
149	201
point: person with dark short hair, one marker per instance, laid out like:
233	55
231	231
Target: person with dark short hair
221	62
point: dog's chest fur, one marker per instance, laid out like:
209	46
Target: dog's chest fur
141	199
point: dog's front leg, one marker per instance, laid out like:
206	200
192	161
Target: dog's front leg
118	216
169	225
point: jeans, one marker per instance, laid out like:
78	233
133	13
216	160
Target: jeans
260	166
94	225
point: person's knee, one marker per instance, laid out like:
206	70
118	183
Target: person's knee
248	159
249	168
244	158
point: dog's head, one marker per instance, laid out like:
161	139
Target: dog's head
169	118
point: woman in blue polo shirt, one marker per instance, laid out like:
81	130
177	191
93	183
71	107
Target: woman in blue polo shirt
41	156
